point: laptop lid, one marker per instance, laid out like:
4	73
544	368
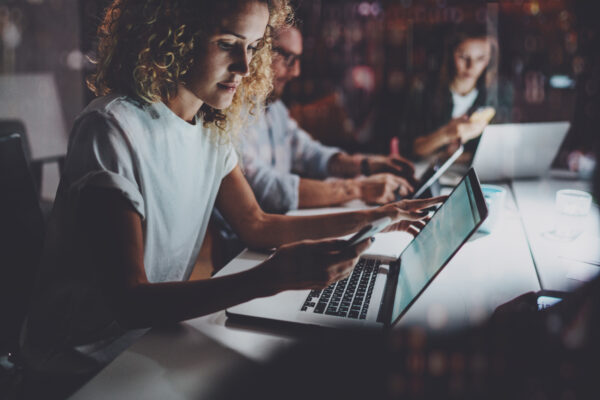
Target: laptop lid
429	252
508	151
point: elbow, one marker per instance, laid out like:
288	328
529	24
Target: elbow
127	308
252	231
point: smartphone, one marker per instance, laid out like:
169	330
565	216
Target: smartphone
369	230
548	298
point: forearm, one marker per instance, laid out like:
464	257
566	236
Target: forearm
426	145
272	230
262	230
149	304
344	165
313	193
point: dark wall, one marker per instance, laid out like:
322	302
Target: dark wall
394	45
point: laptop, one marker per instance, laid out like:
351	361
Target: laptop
377	295
509	151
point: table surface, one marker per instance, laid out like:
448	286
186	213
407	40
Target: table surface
187	361
561	265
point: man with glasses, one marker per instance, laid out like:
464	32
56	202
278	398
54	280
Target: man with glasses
286	167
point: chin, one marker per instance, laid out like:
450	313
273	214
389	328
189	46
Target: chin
220	103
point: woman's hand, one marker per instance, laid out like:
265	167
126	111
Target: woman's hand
410	215
312	264
462	130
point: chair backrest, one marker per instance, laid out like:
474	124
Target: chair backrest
10	127
21	239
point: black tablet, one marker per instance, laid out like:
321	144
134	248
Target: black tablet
434	171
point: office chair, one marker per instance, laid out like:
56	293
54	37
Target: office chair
21	240
11	126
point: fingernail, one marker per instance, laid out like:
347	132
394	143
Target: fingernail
372	238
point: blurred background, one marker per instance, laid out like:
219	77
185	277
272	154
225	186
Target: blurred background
362	61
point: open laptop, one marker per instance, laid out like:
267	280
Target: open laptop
378	295
509	151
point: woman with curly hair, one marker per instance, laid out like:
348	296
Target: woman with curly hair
147	162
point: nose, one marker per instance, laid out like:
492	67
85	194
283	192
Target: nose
241	63
295	69
468	63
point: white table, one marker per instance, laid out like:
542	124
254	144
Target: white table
488	271
559	263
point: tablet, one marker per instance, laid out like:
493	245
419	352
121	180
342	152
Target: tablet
435	170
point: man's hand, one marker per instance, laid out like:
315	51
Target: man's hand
382	188
391	164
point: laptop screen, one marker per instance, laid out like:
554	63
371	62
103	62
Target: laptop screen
437	242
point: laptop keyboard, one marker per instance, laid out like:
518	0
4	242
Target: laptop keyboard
349	297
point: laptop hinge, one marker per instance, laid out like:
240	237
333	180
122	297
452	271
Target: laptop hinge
387	300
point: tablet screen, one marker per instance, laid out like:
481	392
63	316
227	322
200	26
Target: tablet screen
435	170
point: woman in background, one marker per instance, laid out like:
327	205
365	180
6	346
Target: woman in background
439	116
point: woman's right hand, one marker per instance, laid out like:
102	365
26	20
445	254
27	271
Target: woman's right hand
462	130
409	215
312	264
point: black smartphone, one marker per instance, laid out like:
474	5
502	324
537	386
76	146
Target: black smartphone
369	230
548	298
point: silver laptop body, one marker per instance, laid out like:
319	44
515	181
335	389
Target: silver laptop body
509	151
393	288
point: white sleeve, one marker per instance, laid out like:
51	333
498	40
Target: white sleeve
231	160
101	155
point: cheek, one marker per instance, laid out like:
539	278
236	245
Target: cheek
212	66
481	65
277	72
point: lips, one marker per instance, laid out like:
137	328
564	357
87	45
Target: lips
228	85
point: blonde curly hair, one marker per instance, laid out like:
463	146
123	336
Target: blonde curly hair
147	47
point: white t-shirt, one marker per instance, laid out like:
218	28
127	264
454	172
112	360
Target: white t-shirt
169	170
461	104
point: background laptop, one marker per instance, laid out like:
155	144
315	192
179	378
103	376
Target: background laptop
377	295
508	151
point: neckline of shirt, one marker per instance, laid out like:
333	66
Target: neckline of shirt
473	93
164	110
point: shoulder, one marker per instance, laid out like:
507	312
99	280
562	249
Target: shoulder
117	107
118	113
105	120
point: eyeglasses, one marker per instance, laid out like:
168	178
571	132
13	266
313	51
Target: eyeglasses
289	59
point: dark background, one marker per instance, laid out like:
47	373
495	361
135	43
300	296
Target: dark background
357	56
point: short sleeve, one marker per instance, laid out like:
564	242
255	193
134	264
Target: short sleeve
100	155
231	160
